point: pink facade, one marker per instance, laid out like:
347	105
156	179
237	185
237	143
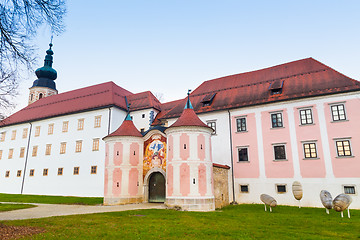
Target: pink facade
133	182
134	154
309	133
184	146
170	180
170	142
118	153
202	179
274	137
247	139
184	179
201	147
347	166
116	185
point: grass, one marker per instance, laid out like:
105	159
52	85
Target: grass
50	199
10	207
232	222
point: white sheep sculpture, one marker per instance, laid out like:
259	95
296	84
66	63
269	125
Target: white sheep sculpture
341	203
326	200
268	200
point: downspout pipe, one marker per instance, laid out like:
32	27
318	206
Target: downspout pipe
109	120
232	161
26	159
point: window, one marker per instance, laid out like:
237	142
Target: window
1	154
80	124
276	120
241	124
76	170
32	172
63	148
51	129
279	152
143	116
7	173
97	122
65	126
244	188
213	126
11	152
37	131
276	87
305	116
25	132
22	152
78	146
338	112
48	149
93	169
280	188
13	135
60	171
343	148
349	190
95	146
142	130
40	96
208	99
2	138
18	174
243	155
310	150
45	171
34	152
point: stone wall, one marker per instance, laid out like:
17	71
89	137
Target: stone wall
221	185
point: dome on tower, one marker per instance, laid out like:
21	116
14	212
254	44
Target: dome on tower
127	128
188	117
46	74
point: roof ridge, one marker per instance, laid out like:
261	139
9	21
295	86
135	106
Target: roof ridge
62	100
257	83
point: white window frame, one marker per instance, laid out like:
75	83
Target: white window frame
331	111
277	145
248	154
336	147
311	114
281	184
316	149
282	119
210	122
350	185
236	123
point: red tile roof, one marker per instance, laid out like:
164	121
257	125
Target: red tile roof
83	99
143	100
221	166
189	118
127	128
299	79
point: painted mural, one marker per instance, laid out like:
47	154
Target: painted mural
154	153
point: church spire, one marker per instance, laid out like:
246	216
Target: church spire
188	104
44	86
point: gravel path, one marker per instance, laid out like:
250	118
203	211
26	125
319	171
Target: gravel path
50	210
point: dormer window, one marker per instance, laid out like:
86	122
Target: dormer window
276	87
208	99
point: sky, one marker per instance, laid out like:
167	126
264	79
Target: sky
170	46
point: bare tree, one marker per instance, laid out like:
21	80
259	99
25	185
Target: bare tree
159	96
19	23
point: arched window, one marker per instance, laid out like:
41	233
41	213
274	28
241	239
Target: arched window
31	97
40	95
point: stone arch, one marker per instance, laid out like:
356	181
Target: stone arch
147	178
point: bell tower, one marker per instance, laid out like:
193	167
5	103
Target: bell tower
44	86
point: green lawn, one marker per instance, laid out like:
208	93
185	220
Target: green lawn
50	199
9	207
232	222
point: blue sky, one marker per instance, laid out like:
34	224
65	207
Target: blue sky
169	46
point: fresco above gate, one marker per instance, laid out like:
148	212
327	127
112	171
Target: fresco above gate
154	153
